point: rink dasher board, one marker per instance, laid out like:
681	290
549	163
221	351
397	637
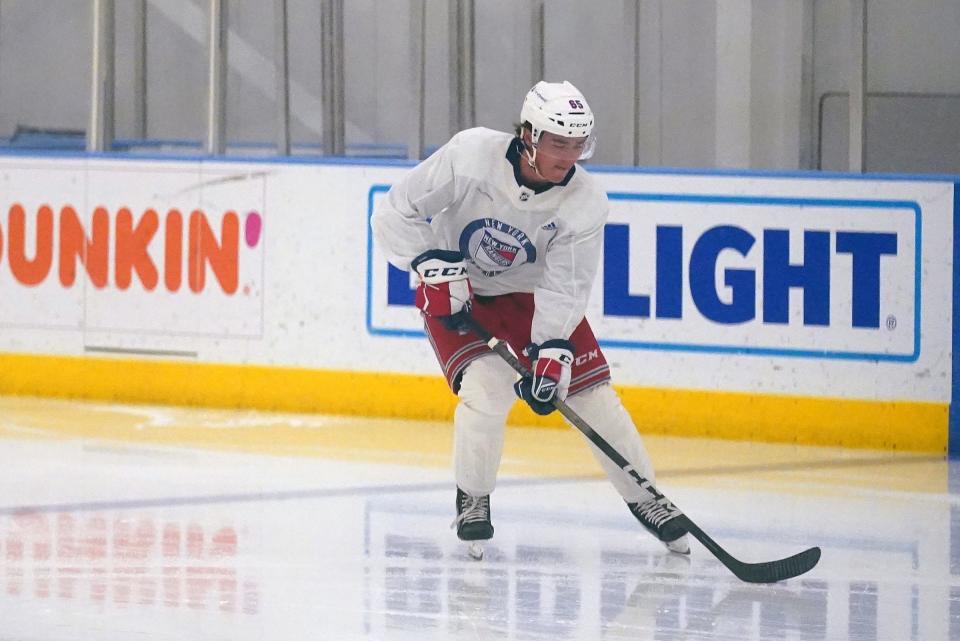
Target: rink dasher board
768	306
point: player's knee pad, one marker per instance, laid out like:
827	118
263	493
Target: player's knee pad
487	386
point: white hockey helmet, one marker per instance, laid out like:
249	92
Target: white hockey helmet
560	108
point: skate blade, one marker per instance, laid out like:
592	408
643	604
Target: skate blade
680	546
475	550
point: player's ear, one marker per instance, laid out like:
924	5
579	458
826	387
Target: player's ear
522	131
527	137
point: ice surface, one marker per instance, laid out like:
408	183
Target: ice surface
155	533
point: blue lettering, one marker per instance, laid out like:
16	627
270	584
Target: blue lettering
866	248
812	276
703	265
617	300
669	293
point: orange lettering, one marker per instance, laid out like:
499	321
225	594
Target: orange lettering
173	248
30	272
93	253
132	245
204	249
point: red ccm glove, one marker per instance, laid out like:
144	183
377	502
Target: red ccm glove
444	288
552	363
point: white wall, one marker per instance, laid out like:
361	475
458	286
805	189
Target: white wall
728	83
44	64
911	47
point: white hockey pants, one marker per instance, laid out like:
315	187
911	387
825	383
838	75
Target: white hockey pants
486	396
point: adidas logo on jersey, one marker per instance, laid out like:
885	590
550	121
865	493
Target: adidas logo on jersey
549	227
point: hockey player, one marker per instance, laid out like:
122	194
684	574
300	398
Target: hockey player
510	228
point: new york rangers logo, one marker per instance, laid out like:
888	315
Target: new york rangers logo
494	246
501	253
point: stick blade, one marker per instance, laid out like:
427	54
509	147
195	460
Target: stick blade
780	570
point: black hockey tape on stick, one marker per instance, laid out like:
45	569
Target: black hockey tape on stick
766	572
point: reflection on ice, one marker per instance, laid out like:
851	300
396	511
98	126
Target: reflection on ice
530	593
579	585
123	560
102	542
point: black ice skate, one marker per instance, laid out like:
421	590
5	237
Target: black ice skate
660	518
473	517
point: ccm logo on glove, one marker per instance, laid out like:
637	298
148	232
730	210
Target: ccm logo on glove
444	287
443	272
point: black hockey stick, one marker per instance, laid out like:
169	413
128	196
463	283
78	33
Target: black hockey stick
768	572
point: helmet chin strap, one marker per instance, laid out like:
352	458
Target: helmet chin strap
532	159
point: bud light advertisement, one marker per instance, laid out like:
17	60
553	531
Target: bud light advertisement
805	277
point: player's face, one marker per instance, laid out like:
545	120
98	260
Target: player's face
556	155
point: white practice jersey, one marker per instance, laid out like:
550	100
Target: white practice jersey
467	197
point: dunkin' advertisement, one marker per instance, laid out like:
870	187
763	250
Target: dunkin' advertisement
154	249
